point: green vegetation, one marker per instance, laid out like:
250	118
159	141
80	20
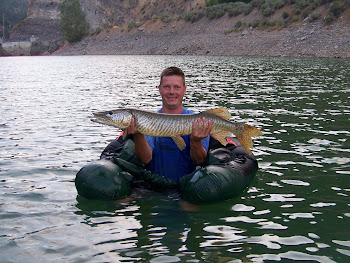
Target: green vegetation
133	24
214	11
216	2
301	10
289	11
165	18
73	22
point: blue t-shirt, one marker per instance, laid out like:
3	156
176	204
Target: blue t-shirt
167	159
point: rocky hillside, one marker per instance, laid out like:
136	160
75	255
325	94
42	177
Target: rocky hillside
43	16
188	27
106	14
207	37
42	21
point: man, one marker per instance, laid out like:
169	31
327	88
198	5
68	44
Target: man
161	153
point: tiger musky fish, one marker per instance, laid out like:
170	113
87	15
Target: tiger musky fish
177	125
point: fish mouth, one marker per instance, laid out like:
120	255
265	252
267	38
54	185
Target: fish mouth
98	117
102	117
102	114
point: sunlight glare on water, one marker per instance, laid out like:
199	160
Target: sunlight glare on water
297	208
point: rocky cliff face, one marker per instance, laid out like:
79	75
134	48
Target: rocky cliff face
108	13
43	16
44	9
42	21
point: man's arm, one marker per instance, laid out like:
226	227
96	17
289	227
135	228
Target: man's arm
142	149
200	130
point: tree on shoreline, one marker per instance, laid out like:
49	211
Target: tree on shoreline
73	21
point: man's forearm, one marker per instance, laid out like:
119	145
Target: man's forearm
142	149
197	152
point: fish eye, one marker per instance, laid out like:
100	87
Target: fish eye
110	113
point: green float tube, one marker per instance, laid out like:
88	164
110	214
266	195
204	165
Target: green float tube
226	174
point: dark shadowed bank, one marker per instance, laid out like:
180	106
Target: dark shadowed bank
218	37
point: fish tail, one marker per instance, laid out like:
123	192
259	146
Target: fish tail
245	138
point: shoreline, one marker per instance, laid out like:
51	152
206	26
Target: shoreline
218	38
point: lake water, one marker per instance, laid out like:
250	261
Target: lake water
296	209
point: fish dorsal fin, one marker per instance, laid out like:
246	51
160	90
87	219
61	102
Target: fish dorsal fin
221	112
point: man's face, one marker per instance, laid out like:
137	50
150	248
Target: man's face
172	91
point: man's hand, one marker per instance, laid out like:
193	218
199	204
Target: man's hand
201	129
131	129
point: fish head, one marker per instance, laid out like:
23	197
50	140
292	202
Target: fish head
116	118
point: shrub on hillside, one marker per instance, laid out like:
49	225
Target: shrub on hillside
192	16
337	8
314	16
165	18
211	2
285	15
268	23
249	8
235	9
216	11
257	3
254	24
268	7
306	12
131	25
266	10
217	2
238	24
329	19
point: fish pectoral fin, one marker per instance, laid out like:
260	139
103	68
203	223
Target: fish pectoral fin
179	141
221	136
221	112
